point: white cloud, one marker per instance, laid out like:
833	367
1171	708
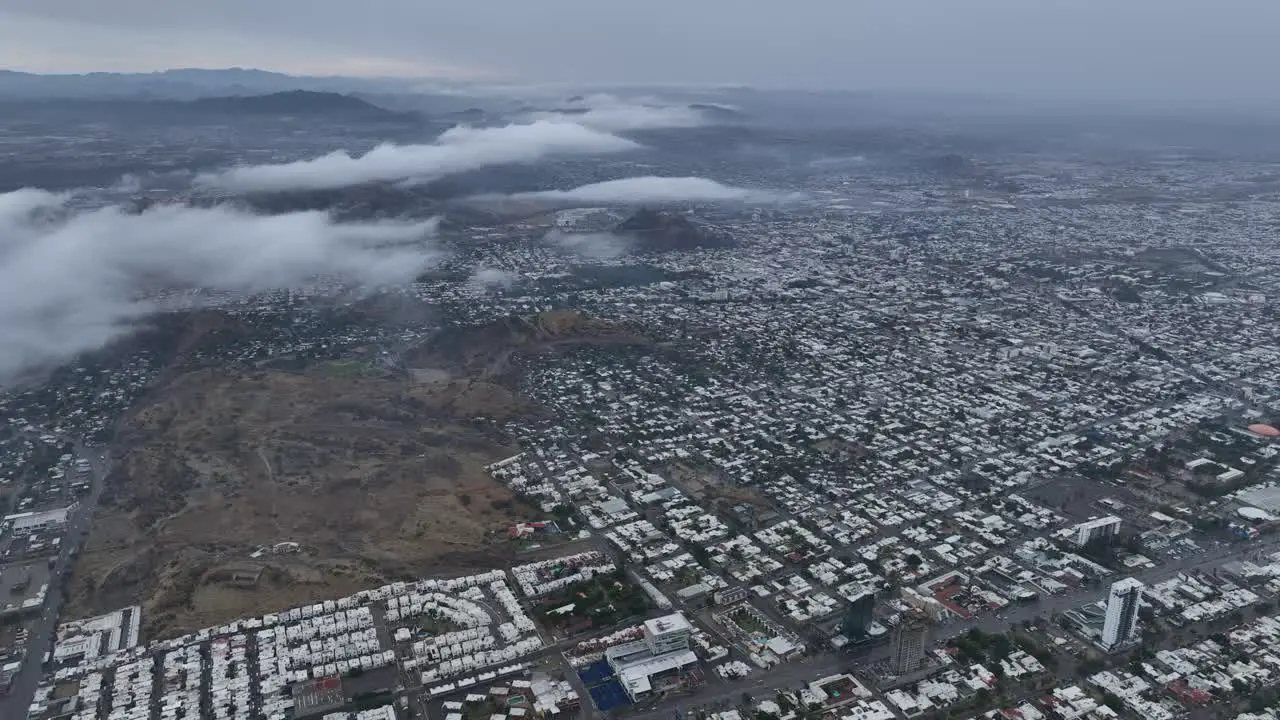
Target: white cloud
838	162
654	190
71	280
20	204
457	150
493	279
606	112
128	183
597	246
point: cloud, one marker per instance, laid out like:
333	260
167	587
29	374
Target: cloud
457	150
606	112
838	162
597	246
128	183
493	279
72	280
653	189
20	204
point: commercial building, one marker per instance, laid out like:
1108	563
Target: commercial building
1091	530
26	523
729	596
909	642
1121	624
656	661
87	640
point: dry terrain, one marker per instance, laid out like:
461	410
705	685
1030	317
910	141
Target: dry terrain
375	476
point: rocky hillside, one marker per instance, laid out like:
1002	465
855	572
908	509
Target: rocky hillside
657	231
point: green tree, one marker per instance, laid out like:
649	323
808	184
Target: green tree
1087	667
999	647
1262	699
982	698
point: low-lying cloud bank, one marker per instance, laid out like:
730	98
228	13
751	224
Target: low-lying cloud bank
457	150
492	279
584	127
606	112
596	246
70	280
652	190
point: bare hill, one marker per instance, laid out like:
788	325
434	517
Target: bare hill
375	475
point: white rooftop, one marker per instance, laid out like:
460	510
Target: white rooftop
674	622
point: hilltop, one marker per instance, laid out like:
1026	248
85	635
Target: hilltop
657	231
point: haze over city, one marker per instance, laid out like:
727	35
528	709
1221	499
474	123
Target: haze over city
1184	51
822	360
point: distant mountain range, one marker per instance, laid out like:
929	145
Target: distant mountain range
292	103
444	101
184	84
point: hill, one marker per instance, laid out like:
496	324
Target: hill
375	477
657	231
952	165
374	469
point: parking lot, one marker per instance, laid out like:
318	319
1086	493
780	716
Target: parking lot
20	582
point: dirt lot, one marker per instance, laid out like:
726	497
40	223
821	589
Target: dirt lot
375	477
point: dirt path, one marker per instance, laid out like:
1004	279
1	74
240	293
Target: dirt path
271	479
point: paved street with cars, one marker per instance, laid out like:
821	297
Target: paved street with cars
41	632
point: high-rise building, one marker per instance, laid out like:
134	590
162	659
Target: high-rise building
1121	624
909	641
859	615
1090	530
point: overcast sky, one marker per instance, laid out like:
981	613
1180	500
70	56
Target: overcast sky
1163	49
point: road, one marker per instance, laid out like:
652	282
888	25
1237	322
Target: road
719	691
765	683
761	684
41	632
1052	604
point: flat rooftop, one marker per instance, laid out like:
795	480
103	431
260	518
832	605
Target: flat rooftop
674	622
35	519
636	675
